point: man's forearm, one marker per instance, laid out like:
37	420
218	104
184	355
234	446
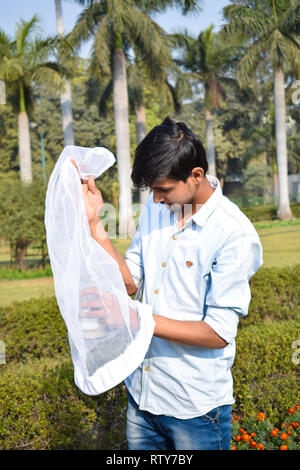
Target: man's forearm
101	237
194	333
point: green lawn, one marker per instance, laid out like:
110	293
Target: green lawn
25	289
280	241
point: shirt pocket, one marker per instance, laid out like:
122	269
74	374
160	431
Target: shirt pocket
186	281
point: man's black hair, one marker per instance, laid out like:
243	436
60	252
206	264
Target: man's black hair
170	150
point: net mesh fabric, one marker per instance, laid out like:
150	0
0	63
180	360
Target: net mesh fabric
109	333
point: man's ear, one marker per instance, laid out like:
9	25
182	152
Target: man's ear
197	174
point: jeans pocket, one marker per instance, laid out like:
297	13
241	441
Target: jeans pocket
212	416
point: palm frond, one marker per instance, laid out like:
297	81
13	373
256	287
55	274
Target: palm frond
11	69
24	30
101	46
155	6
243	19
86	24
152	43
50	74
6	45
290	21
253	56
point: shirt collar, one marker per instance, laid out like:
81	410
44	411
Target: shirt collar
209	206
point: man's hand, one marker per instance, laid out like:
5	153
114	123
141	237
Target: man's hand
105	305
92	199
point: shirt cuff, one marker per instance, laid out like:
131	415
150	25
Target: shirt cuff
135	270
223	321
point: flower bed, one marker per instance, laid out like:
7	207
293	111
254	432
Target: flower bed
260	434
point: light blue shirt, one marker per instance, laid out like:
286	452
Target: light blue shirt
198	272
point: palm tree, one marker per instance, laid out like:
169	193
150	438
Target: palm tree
209	59
66	96
272	27
24	63
172	86
117	25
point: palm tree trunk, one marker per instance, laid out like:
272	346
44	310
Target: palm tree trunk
210	146
120	94
140	125
24	141
66	96
275	183
284	210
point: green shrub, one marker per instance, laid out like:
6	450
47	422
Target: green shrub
14	273
275	295
33	328
265	377
41	408
258	213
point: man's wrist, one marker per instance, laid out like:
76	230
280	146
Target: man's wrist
97	229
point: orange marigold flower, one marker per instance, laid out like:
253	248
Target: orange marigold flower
284	447
298	438
261	416
238	438
246	437
274	432
296	425
297	407
291	410
290	427
283	425
253	434
284	436
241	430
233	447
253	444
289	432
260	447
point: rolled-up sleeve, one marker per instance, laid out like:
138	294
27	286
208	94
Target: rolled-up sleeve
134	258
229	295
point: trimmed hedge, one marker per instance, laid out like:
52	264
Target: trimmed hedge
41	408
265	377
275	295
255	214
33	328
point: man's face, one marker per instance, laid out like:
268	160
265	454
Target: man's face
171	192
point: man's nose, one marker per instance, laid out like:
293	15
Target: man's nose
157	197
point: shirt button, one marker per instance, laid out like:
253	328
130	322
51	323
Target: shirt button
146	368
156	291
164	265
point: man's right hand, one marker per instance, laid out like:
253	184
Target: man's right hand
92	200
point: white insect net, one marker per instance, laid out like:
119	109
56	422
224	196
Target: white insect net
109	333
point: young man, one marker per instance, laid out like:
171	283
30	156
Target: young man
194	251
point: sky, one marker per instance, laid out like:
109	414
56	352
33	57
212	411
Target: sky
12	11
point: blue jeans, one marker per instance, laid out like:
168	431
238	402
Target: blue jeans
146	431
